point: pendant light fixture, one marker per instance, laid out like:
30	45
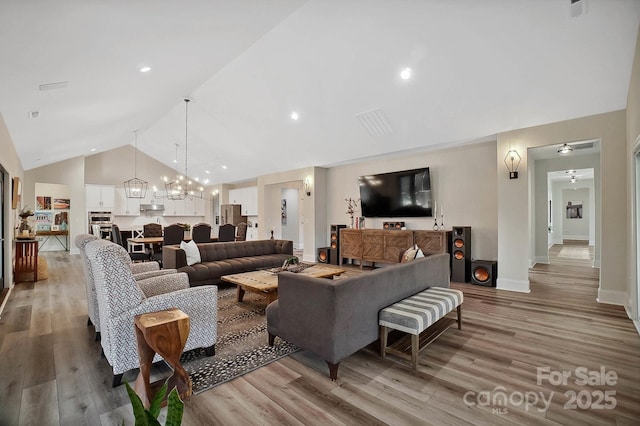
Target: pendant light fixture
135	188
565	149
181	187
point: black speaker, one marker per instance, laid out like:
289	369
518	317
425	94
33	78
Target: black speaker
324	255
461	254
393	225
335	242
484	272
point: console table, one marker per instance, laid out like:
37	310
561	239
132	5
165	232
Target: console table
387	246
56	234
26	258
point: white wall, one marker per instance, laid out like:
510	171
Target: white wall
463	181
54	191
291	230
578	228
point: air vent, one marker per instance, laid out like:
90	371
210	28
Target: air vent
54	86
374	122
585	145
34	114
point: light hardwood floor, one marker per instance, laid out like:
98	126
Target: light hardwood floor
51	371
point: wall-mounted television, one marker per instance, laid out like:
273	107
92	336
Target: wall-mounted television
397	194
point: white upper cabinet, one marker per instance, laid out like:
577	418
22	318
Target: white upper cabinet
126	206
100	197
247	198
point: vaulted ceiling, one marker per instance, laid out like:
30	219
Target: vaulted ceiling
478	68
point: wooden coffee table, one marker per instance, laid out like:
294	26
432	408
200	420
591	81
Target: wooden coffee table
265	282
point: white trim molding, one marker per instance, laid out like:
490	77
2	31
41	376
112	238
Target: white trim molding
612	297
637	324
541	259
521	286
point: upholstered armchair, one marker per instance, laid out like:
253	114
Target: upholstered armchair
141	271
120	299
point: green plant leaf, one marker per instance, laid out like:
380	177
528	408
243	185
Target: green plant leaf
152	421
138	409
154	409
175	409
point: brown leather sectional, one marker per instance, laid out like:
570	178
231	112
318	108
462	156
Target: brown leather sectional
218	259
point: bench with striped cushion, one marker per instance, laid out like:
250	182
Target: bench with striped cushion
416	313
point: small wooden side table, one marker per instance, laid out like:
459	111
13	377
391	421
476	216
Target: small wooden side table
26	258
164	333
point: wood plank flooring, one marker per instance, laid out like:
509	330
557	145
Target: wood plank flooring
51	371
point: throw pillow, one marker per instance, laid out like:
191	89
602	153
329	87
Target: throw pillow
419	254
192	252
408	255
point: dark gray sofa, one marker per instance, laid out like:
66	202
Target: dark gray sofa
336	318
218	259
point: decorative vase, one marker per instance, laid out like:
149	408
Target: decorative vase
25	229
351	226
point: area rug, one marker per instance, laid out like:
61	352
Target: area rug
242	342
575	252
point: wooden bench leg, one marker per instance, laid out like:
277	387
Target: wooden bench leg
459	317
384	332
415	348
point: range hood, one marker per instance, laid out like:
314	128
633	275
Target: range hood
144	208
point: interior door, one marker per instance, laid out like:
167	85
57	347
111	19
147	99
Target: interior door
2	223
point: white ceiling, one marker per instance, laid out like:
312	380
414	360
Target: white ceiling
479	68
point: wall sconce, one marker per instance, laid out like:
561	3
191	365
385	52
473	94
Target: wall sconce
512	161
307	186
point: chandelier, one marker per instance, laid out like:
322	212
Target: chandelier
135	188
182	187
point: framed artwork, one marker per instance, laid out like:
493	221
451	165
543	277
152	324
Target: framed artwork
16	192
283	211
574	209
43	203
44	218
61	203
55	227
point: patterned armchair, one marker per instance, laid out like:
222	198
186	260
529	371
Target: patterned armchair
141	271
120	299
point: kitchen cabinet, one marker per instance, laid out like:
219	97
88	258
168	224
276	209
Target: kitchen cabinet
186	207
252	234
247	198
126	206
100	197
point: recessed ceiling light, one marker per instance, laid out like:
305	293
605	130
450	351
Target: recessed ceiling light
175	161
206	171
294	115
92	150
405	74
206	181
224	167
145	69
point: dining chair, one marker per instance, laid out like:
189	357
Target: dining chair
154	230
201	233
116	237
173	234
241	233
227	233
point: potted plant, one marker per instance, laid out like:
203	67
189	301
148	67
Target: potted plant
144	416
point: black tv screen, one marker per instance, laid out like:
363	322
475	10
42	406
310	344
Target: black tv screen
398	194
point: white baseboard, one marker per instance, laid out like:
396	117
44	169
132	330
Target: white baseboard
4	302
521	286
596	263
575	237
637	325
611	297
541	259
558	241
311	258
